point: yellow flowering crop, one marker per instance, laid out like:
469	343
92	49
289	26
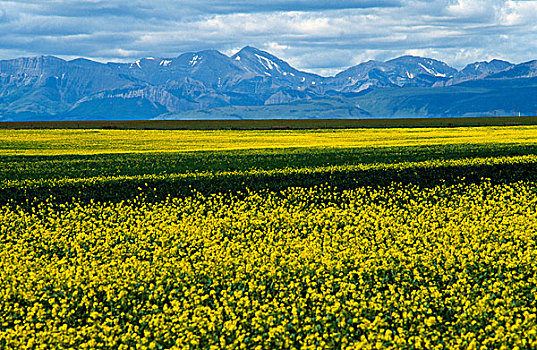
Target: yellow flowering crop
328	239
84	142
395	267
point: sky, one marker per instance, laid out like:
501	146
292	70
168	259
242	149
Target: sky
320	36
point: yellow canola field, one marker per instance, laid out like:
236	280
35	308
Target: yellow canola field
62	142
399	267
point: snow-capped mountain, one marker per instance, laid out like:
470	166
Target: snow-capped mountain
274	79
210	67
399	72
484	68
412	67
261	63
478	70
523	70
48	87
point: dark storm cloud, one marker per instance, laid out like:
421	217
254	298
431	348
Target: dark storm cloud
324	36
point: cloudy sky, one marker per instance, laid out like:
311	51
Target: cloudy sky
314	35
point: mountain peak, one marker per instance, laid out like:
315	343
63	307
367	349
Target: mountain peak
193	58
214	53
484	68
249	48
406	57
259	61
522	70
252	51
85	62
412	59
498	61
45	58
267	65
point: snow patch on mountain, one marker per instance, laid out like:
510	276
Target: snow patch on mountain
431	71
194	60
269	64
137	63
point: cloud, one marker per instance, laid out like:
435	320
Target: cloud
316	35
472	9
297	5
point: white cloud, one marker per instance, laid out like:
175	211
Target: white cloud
517	13
322	36
471	8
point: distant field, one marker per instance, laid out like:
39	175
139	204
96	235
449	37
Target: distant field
269	239
275	123
85	142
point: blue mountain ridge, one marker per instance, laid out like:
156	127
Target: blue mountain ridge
256	84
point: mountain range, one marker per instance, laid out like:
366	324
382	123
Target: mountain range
255	84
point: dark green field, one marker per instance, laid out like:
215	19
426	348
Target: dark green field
116	177
174	163
274	123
